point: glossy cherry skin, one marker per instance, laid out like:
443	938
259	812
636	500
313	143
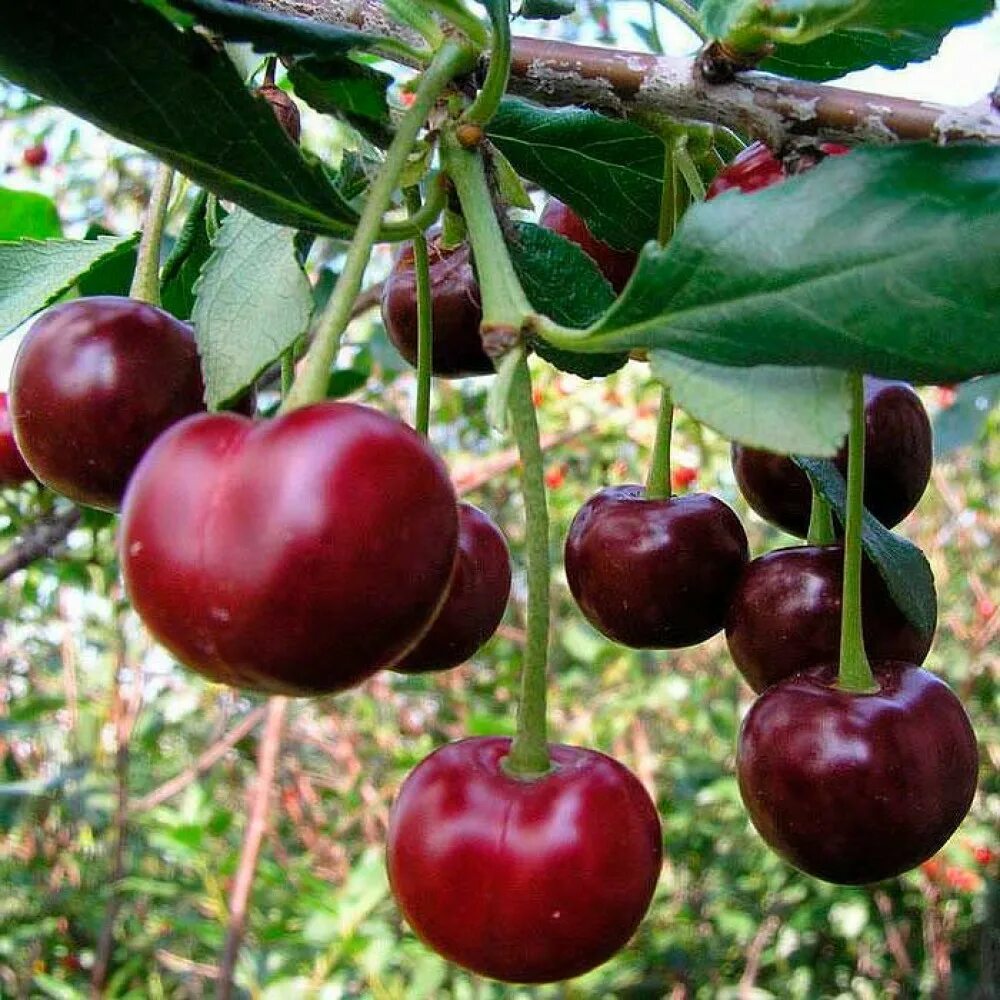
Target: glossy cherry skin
784	616
292	556
855	788
13	468
654	574
754	168
898	457
456	310
523	880
616	265
476	599
95	381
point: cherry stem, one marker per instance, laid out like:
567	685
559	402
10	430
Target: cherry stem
484	107
658	478
425	332
287	371
820	521
855	672
270	68
669	209
456	12
146	277
684	12
529	754
449	61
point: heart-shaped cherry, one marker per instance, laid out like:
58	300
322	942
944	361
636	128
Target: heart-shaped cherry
526	880
476	599
616	265
898	456
294	556
854	788
13	469
654	574
95	381
456	310
784	615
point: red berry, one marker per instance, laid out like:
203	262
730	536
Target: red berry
555	476
754	168
682	476
293	556
525	880
13	468
95	381
36	156
983	855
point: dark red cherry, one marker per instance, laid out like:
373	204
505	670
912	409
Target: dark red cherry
13	468
754	168
616	265
898	456
95	381
654	574
456	311
523	880
36	156
476	598
855	788
784	615
293	556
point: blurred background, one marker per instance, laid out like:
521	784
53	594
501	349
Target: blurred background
125	780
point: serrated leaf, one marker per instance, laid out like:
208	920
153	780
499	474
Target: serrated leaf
27	215
883	261
800	410
962	422
561	280
607	170
34	273
183	266
111	276
134	74
900	563
252	302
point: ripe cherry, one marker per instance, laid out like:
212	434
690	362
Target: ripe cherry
13	468
95	381
854	788
616	265
898	455
654	574
784	616
476	598
456	311
36	156
525	880
294	556
757	167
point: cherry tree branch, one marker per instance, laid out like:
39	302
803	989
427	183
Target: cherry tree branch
38	540
768	107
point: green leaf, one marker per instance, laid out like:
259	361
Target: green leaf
130	71
800	410
183	266
111	276
883	262
561	280
607	170
33	274
547	9
901	564
962	422
253	302
27	215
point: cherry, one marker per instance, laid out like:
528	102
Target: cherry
476	599
898	456
285	109
854	788
523	880
13	468
616	265
456	311
292	556
95	381
757	167
654	574
36	156
784	615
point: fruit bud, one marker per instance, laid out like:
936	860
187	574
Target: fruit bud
469	136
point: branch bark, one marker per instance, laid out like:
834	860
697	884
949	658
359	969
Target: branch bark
38	540
772	108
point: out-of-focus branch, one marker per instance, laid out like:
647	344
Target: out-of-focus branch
38	540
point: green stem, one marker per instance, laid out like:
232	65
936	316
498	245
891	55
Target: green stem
287	371
529	750
655	42
450	60
463	19
658	478
488	99
146	278
504	303
413	225
855	672
683	11
820	522
425	333
668	196
690	173
728	142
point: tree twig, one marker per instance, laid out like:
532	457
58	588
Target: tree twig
267	761
38	540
